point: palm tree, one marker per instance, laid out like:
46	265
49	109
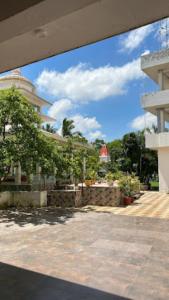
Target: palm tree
67	127
49	128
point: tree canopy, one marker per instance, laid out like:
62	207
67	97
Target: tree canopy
20	136
129	154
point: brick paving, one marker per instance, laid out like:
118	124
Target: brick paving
56	254
151	204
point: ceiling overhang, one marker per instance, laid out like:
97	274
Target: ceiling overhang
31	30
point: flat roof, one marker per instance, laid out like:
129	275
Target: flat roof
31	30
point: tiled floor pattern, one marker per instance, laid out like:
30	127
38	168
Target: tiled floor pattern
151	204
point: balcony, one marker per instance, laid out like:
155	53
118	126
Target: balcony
155	141
153	62
150	102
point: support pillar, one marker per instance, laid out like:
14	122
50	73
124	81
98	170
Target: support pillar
163	159
38	171
18	173
160	120
161	79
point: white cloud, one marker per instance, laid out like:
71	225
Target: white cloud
146	52
96	135
59	110
84	124
88	126
136	37
82	83
144	121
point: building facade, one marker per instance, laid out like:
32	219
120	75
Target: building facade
156	66
27	88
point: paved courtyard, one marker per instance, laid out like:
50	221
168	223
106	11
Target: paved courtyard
150	204
55	254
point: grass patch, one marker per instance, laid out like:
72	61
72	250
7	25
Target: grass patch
154	185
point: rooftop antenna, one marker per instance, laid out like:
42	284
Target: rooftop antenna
164	33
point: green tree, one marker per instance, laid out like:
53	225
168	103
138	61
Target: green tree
67	127
19	131
49	128
116	155
20	136
98	143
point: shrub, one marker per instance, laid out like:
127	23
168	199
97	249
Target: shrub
109	177
129	185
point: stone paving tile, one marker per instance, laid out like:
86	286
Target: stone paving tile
88	256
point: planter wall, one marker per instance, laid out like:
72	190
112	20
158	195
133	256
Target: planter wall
104	196
65	198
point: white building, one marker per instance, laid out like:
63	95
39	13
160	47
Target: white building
156	66
27	88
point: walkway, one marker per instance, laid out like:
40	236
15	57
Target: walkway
151	204
51	254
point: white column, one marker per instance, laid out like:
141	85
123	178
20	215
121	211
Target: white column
163	159
18	173
160	120
38	171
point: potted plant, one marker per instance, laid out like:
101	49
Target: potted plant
90	177
109	178
125	185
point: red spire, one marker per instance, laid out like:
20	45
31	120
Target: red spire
104	151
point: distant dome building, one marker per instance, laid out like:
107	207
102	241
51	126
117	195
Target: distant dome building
27	88
104	154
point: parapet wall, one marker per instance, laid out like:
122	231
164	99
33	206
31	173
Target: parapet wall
23	199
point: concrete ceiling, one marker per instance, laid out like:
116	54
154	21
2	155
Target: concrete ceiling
31	30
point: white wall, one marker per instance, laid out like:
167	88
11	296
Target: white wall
23	199
163	169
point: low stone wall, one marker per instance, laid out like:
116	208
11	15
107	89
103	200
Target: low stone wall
104	196
23	199
65	198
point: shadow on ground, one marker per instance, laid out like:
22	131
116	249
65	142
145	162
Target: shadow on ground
37	216
17	284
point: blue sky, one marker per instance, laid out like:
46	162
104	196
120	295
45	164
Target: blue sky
99	86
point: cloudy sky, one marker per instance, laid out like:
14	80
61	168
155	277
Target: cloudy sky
99	86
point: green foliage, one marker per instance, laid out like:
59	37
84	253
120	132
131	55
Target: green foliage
98	143
49	128
91	174
20	136
109	177
18	129
117	175
67	127
129	185
130	155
